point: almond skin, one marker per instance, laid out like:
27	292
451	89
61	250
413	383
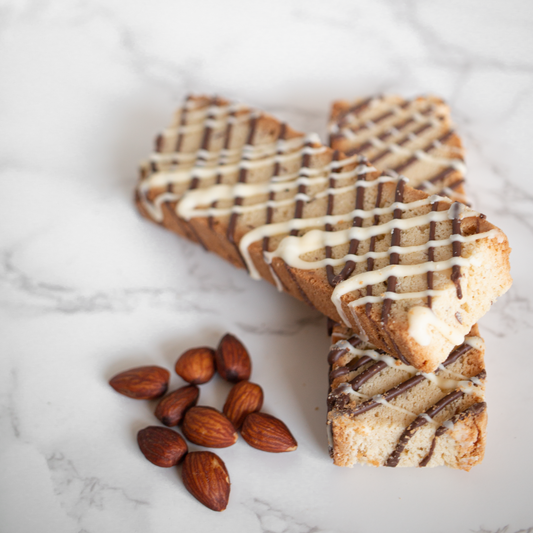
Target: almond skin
267	433
161	446
232	359
171	409
196	365
205	476
244	398
208	427
142	383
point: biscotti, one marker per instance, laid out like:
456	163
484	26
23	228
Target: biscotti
414	138
412	273
384	413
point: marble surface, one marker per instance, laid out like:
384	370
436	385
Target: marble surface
88	289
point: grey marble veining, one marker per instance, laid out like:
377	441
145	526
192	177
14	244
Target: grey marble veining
87	288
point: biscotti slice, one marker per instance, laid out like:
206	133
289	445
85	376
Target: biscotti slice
414	138
411	272
384	413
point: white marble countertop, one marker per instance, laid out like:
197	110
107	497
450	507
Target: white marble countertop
88	288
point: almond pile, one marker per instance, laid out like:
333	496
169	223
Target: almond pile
204	473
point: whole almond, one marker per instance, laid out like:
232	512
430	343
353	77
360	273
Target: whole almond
232	359
142	383
196	365
208	427
205	476
244	398
267	433
171	409
161	446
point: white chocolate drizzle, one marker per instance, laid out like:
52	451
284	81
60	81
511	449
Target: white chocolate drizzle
444	383
206	198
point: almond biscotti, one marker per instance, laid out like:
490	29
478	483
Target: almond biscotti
412	273
414	138
384	413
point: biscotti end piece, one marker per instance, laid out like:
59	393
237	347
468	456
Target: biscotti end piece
414	138
411	275
326	228
382	413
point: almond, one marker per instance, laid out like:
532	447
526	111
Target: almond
205	476
196	365
232	359
161	446
171	409
208	427
244	398
267	433
142	383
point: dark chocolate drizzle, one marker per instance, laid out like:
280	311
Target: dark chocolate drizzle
335	352
298	212
372	248
271	195
218	181
394	257
427	148
195	182
404	140
302	188
349	267
431	252
194	185
456	248
277	167
478	221
473	410
181	223
331	200
230	234
341	119
369	373
183	121
368	124
420	421
404	386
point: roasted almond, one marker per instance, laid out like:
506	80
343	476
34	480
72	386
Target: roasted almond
161	446
244	398
171	409
232	359
196	365
205	476
142	383
267	433
208	427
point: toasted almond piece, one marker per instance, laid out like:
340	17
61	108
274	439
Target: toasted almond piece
196	365
267	433
205	476
142	383
232	359
171	409
244	398
208	427
161	446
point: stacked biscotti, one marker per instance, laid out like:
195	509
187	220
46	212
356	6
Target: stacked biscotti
384	413
381	412
409	273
